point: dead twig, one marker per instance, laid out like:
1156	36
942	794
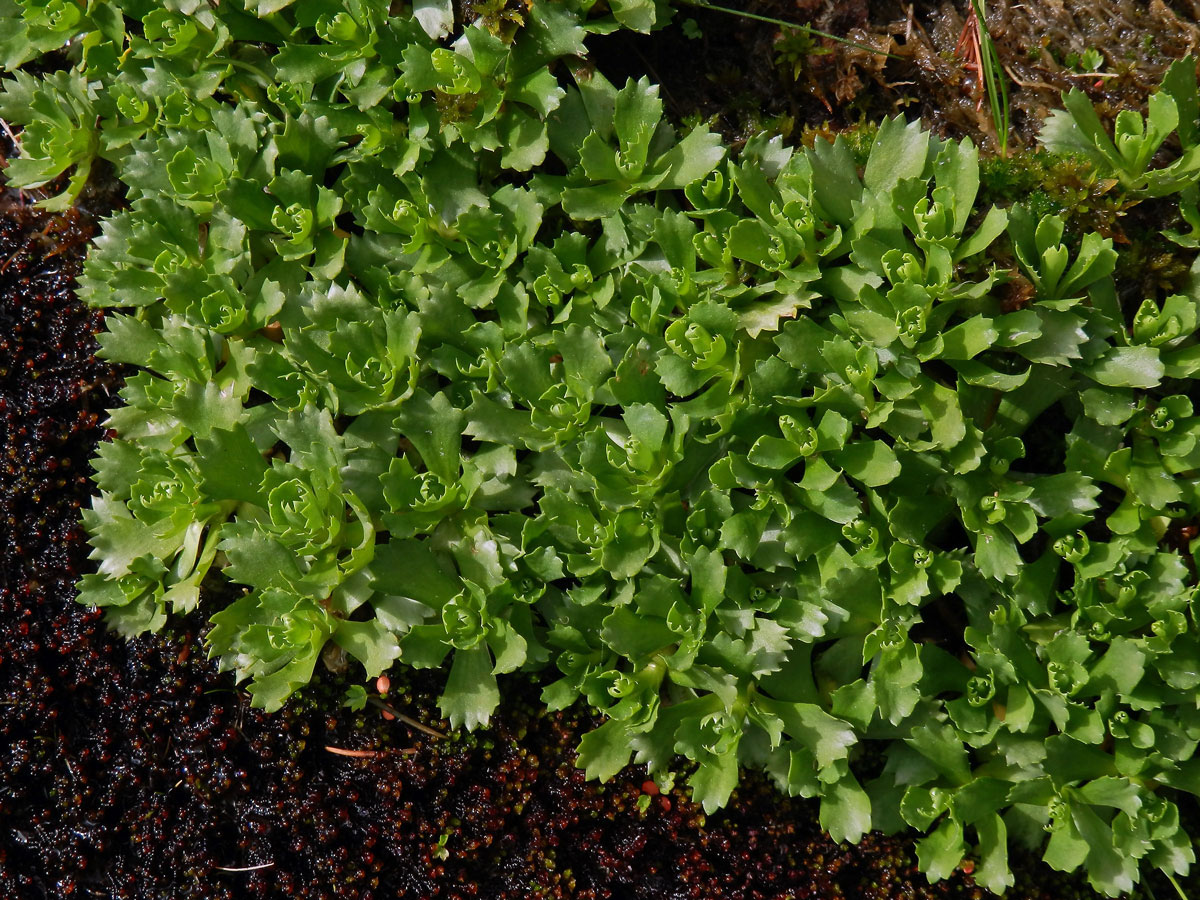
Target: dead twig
407	720
1030	84
366	754
356	754
968	49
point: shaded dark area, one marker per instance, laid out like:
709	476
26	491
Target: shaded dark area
747	75
52	392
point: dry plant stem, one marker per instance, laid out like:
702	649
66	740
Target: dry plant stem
354	754
368	754
1039	85
968	50
407	720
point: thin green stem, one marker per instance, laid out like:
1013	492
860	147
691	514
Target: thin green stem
993	77
1175	884
703	4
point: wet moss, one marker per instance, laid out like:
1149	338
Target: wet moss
744	75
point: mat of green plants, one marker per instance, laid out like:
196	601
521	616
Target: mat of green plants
868	462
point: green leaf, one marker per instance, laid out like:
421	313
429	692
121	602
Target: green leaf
969	339
231	466
638	15
1107	869
1064	494
1115	792
946	424
765	315
525	141
845	810
434	427
992	226
508	646
630	542
556	30
773	453
409	568
1136	367
1069	760
471	695
895	679
128	340
742	532
585	360
993	871
635	636
871	462
944	751
605	751
368	642
257	559
942	851
203	408
708	573
425	646
1120	668
648	427
692	158
996	554
714	780
829	738
900	151
436	17
269	692
118	540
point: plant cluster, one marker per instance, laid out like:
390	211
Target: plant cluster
132	769
1128	154
451	352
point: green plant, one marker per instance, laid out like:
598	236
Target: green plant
794	47
1127	155
60	134
452	352
1090	61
